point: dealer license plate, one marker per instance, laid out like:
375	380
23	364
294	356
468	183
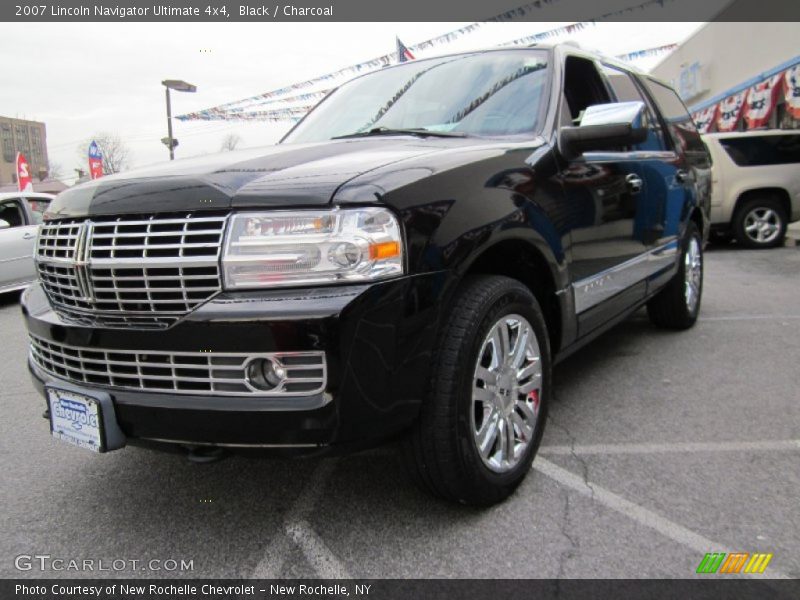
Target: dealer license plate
76	419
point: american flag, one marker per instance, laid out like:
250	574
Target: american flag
403	53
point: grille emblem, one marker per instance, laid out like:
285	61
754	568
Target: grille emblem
81	260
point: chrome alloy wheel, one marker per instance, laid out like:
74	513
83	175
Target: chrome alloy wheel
762	225
693	274
506	392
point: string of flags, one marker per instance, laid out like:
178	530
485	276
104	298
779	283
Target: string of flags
295	113
647	52
754	104
546	35
525	9
238	109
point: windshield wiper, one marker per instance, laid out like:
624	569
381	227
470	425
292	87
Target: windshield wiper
419	132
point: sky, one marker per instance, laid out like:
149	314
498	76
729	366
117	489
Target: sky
85	78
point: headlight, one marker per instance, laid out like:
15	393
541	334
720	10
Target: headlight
272	249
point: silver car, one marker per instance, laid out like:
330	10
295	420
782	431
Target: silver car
20	215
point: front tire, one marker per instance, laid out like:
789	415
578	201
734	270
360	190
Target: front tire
760	223
480	427
678	304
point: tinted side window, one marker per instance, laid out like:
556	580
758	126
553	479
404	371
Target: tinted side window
583	87
11	211
681	127
626	90
763	150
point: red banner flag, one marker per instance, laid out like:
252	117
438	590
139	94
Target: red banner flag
24	179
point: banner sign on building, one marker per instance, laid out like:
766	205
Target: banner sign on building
24	179
730	110
791	86
761	100
95	161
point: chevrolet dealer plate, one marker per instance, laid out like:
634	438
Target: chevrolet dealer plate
75	418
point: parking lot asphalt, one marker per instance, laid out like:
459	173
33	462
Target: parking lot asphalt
661	446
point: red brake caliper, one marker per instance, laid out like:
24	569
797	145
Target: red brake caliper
533	397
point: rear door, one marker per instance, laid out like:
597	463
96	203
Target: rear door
688	181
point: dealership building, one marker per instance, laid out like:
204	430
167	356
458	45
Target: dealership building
738	76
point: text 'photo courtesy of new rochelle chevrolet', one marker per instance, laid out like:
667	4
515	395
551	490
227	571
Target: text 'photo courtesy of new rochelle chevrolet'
356	299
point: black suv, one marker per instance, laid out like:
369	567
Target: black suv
410	260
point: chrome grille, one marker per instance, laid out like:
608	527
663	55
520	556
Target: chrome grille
216	373
144	272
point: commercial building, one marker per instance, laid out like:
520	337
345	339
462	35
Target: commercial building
28	137
735	76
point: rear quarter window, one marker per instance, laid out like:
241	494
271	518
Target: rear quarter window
680	125
763	150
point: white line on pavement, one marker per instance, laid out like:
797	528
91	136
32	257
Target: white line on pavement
316	551
768	445
296	528
752	318
641	515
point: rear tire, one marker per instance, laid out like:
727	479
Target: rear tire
678	304
480	427
760	223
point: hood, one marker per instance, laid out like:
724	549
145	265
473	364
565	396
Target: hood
281	175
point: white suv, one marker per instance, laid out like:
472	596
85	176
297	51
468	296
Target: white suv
756	185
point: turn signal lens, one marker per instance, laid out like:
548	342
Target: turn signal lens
384	250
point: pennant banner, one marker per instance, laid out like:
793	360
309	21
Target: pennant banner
705	118
279	114
730	110
95	161
791	86
761	99
230	110
24	179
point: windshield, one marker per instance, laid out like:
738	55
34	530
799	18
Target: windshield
485	94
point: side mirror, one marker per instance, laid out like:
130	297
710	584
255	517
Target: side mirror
605	127
4	224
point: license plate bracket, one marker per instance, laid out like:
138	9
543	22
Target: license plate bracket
83	418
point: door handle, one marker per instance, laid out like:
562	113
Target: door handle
635	183
28	236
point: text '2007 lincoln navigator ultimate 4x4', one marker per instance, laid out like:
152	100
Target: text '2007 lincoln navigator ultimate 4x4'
410	260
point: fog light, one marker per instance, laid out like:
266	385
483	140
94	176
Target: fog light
263	374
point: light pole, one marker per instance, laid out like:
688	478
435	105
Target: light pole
179	86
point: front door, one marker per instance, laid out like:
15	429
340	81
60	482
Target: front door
618	211
16	245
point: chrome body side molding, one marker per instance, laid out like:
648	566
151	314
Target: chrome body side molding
591	291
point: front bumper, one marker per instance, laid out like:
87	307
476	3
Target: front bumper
377	340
